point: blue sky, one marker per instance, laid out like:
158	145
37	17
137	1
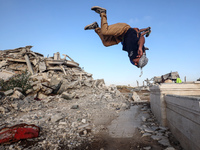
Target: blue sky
52	26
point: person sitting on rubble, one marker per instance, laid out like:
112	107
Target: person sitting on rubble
132	39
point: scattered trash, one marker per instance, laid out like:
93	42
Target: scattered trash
18	132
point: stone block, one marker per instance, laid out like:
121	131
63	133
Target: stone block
56	118
18	94
67	96
9	92
136	97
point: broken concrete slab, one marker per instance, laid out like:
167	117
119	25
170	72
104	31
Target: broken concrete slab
136	97
6	75
67	96
28	64
3	63
17	94
9	92
56	117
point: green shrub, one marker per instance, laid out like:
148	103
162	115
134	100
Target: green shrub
19	80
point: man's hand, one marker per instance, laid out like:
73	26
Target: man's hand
140	53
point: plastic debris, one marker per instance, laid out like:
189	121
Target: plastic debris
18	132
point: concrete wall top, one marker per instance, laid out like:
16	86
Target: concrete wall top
177	88
189	103
196	98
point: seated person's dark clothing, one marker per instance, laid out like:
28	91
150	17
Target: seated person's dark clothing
130	43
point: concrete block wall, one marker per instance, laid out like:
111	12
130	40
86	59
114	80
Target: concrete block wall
157	93
173	108
158	107
183	118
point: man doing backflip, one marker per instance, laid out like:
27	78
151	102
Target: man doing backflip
132	39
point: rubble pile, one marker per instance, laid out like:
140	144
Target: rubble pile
63	100
151	129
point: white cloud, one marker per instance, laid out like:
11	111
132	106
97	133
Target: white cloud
135	21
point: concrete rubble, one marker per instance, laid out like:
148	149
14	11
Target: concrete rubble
150	128
66	102
63	99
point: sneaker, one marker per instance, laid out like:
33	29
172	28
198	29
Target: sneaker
98	9
93	25
147	34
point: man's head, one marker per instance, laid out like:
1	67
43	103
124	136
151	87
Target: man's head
140	62
143	61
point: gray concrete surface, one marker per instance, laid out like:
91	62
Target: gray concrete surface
125	125
173	108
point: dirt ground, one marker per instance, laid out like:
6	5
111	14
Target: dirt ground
104	142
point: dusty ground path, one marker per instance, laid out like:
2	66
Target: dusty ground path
124	131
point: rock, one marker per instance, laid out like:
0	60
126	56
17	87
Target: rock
146	134
55	84
62	123
170	148
147	148
29	91
83	126
48	91
56	118
67	96
17	94
144	118
154	128
41	96
164	142
88	83
118	93
163	128
42	66
148	130
15	106
75	107
83	121
9	92
156	137
35	83
74	84
3	63
63	86
85	132
2	110
6	75
18	89
99	83
136	97
36	77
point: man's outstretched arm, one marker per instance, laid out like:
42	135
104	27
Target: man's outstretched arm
140	45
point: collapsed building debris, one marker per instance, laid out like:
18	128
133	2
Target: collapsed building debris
167	78
23	58
63	99
60	100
